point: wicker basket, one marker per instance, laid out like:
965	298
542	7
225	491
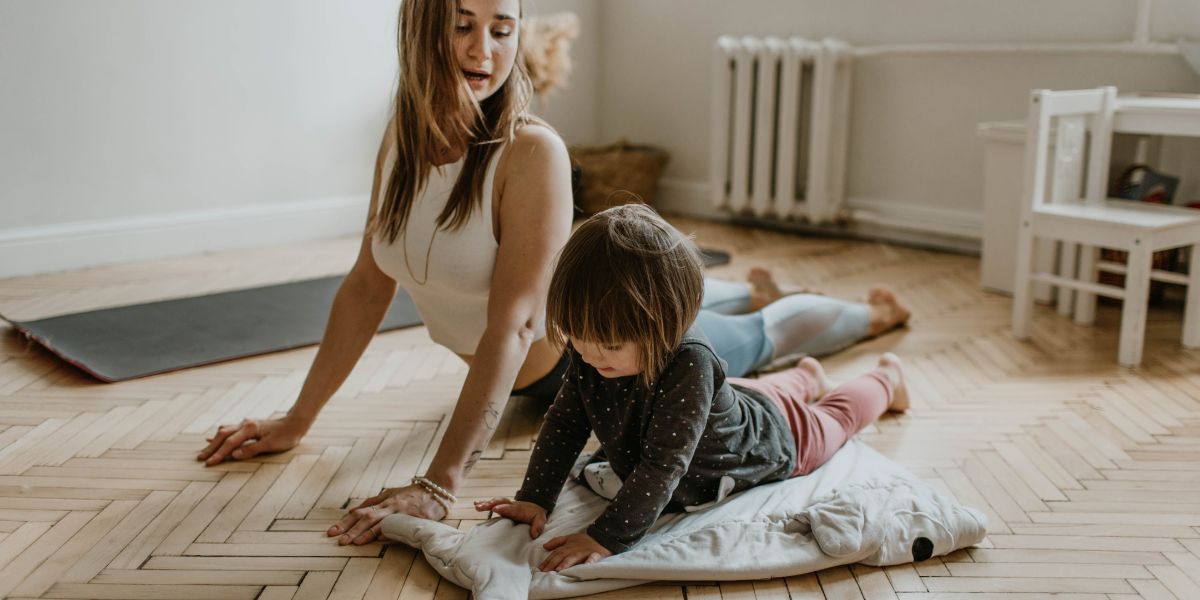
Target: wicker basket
617	174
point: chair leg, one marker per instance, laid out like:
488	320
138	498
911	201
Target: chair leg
1045	260
1085	302
1133	309
1191	311
1022	316
1066	268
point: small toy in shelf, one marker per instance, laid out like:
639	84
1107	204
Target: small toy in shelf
1140	182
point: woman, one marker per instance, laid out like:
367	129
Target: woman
471	202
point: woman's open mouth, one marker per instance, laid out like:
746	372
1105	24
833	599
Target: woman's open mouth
476	77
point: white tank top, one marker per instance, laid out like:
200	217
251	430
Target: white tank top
448	272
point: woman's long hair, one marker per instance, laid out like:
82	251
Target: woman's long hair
435	110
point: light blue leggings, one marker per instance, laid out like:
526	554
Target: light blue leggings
796	324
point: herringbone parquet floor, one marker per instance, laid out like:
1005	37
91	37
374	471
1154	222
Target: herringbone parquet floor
1089	473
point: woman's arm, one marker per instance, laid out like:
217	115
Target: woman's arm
564	434
535	222
361	302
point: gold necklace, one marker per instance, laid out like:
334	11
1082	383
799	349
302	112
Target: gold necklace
428	255
428	251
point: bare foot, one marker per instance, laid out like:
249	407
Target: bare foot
814	368
887	312
893	369
764	289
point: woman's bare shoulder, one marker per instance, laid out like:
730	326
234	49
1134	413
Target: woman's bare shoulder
537	139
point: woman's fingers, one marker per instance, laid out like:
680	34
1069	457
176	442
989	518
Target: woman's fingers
343	525
377	498
215	441
247	431
364	508
555	543
250	450
368	536
362	529
592	558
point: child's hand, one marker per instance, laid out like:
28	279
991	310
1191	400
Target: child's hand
571	550
519	511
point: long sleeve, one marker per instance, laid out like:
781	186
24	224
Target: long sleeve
563	436
682	400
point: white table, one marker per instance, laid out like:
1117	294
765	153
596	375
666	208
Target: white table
1004	161
1167	115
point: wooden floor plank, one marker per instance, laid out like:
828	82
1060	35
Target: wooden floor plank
140	548
243	502
354	580
88	591
24	564
56	566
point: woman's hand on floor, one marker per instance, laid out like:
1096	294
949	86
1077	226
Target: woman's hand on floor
519	511
361	525
570	550
251	438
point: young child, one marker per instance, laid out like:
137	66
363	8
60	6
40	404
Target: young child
623	300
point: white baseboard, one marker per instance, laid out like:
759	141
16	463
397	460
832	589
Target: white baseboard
67	246
689	198
914	217
903	222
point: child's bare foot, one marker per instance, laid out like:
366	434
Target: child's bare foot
814	368
893	369
764	289
887	312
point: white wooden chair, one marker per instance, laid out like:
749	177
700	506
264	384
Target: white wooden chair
1092	220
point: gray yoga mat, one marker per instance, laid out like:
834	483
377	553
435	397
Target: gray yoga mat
127	342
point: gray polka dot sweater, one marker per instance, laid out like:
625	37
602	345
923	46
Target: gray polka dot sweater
670	444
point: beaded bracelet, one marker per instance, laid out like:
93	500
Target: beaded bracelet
435	488
439	493
440	500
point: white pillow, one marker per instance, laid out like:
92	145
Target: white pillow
858	507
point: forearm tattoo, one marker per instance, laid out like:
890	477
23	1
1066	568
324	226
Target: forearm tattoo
471	460
491	421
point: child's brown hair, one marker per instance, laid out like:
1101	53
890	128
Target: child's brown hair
627	276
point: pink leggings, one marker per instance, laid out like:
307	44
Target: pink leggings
821	428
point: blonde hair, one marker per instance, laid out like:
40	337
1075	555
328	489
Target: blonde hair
435	110
627	276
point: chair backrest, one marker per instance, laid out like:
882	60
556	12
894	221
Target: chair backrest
1071	115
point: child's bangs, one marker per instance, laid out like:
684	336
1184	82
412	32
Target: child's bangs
611	320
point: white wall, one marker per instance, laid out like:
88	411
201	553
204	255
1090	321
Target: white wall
913	147
135	129
575	110
130	108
